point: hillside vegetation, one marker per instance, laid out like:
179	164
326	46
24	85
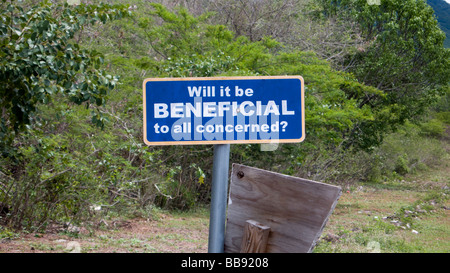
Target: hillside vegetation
442	11
377	98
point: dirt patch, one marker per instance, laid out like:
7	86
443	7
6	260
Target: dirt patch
168	234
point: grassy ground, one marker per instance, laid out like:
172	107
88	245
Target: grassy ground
162	232
409	215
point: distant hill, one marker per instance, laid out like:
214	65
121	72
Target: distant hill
442	11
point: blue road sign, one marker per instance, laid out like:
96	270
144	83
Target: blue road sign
223	110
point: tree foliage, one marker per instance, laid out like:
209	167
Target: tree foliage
403	55
40	59
193	48
68	166
442	11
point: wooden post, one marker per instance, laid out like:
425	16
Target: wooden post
255	237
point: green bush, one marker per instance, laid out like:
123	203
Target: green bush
402	165
402	152
444	117
433	127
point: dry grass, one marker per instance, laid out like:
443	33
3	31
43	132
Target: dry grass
368	218
411	215
169	233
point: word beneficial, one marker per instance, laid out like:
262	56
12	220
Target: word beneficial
219	109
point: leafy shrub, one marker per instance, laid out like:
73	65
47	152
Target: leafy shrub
444	117
401	165
402	152
40	60
433	127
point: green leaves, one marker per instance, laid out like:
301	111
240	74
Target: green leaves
192	48
39	58
403	56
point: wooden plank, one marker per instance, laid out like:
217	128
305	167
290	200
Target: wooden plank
295	209
255	237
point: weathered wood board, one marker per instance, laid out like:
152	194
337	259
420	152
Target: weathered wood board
255	237
295	209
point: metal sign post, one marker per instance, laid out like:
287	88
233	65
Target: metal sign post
219	198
